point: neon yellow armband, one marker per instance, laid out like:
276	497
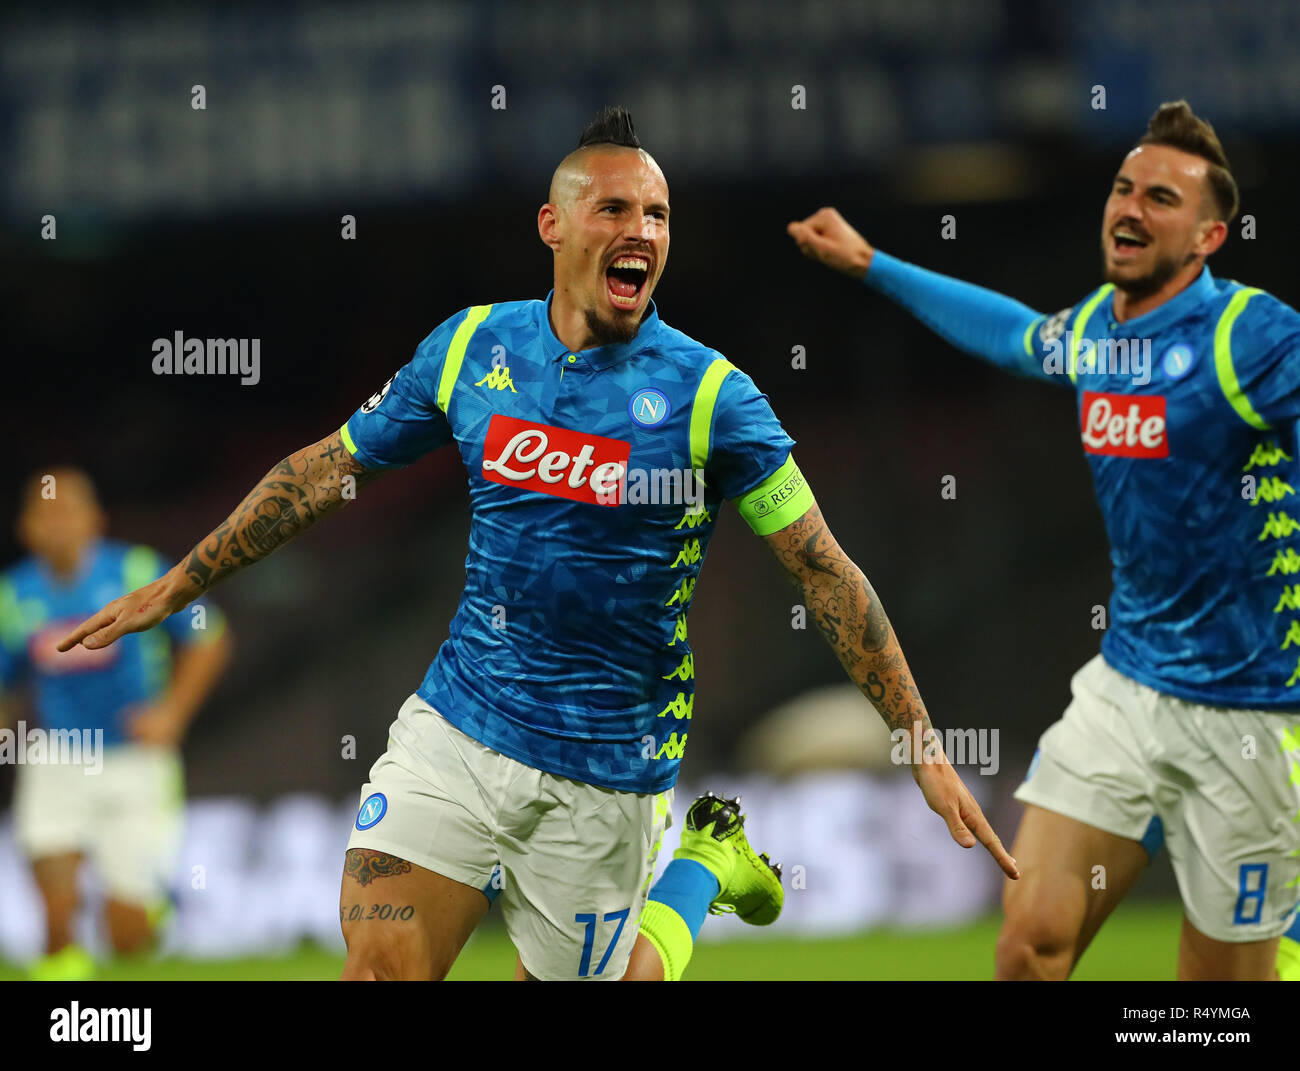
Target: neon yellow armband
779	500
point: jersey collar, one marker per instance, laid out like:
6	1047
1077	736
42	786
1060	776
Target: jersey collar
598	357
85	566
1178	306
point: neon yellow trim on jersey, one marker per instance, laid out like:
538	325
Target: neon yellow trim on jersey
706	398
1228	381
1080	322
778	501
1029	331
140	567
12	634
456	352
346	436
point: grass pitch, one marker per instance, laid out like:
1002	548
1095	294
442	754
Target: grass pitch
1139	942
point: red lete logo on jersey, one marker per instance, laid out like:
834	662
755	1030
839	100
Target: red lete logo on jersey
1124	425
43	650
555	461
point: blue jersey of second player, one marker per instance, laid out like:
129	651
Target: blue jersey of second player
1188	417
82	689
568	651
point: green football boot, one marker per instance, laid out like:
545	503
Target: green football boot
749	883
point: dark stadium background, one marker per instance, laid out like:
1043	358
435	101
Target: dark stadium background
914	111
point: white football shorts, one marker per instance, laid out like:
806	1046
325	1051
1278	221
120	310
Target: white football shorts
571	863
1219	787
126	819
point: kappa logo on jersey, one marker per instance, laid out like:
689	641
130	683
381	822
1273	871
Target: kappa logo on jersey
1124	425
555	461
498	379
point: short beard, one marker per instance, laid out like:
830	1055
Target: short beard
606	333
1144	286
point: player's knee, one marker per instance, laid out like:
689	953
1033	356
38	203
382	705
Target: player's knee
129	929
131	942
1034	948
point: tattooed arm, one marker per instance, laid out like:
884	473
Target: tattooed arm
850	617
293	496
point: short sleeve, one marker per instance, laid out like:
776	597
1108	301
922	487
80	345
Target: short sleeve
1260	369
748	443
401	421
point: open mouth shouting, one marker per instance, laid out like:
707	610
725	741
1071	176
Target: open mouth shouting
625	280
1126	243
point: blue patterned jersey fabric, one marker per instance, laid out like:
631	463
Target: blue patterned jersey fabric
568	651
82	689
1188	418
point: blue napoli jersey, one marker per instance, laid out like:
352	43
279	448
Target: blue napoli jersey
1188	417
568	651
82	689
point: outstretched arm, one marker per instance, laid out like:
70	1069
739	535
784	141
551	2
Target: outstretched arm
979	321
850	617
301	489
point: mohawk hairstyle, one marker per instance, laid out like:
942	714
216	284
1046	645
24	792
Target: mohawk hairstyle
1176	125
612	126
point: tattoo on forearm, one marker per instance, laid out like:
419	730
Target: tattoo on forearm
367	865
291	497
850	616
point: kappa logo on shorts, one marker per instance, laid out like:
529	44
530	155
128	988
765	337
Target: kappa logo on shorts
372	810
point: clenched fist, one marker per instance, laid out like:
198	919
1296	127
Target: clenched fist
828	237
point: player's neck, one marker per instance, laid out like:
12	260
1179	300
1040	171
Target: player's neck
569	323
1130	308
66	565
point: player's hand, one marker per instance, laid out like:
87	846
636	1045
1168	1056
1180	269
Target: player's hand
134	612
158	724
951	800
828	237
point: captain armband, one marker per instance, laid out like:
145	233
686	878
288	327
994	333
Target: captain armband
778	501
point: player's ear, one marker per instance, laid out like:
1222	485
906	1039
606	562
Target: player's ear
548	226
1214	232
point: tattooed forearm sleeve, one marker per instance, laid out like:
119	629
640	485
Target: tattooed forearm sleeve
849	615
293	496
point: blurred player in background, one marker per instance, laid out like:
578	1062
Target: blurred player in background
121	806
543	745
1184	730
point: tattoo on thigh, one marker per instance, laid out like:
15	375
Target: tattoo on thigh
367	865
382	912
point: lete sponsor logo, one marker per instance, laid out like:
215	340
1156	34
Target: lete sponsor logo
1124	425
43	650
555	461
